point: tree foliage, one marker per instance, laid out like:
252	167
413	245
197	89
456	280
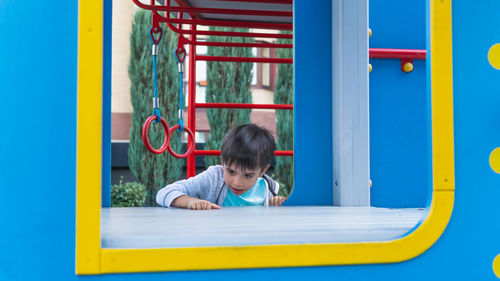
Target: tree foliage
227	82
284	118
152	170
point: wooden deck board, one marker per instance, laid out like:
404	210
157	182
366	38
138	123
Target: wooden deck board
166	228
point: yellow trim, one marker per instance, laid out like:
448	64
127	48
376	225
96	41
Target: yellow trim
286	255
495	160
442	96
91	259
494	56
496	265
89	138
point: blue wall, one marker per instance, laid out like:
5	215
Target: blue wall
38	55
106	104
312	106
399	148
38	62
399	110
477	132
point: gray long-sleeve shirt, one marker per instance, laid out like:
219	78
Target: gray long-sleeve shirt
208	185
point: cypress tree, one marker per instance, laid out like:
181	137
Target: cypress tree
227	82
152	170
284	118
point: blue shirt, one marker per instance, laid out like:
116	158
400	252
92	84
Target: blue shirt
255	196
208	185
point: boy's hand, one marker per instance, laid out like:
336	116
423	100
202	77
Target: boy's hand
198	204
276	201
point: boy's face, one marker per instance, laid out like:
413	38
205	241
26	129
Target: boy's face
240	180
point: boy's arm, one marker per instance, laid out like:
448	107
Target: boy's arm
276	201
188	202
197	187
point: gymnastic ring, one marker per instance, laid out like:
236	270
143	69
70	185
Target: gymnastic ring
190	147
145	139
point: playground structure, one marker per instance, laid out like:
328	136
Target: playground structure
195	19
455	239
268	19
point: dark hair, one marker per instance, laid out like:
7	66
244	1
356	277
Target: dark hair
248	146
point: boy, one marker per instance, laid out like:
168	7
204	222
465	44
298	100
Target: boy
246	152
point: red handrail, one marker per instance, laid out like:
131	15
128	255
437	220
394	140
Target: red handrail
232	33
214	10
157	18
262	1
373	53
242	45
217	33
261	25
244	105
244	59
217	152
379	53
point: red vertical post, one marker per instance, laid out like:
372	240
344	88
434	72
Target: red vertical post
191	161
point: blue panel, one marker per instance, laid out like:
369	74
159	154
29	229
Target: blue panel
38	63
106	104
477	119
399	132
312	104
397	24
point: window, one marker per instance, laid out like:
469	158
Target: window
92	258
263	73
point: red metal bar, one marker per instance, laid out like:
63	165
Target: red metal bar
217	152
241	45
397	54
214	10
235	34
223	44
191	160
226	33
243	59
261	25
374	53
244	105
262	1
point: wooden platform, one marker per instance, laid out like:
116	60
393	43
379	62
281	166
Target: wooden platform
166	228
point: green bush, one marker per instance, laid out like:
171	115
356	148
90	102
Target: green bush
129	194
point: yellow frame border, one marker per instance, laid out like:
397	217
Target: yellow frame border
92	259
